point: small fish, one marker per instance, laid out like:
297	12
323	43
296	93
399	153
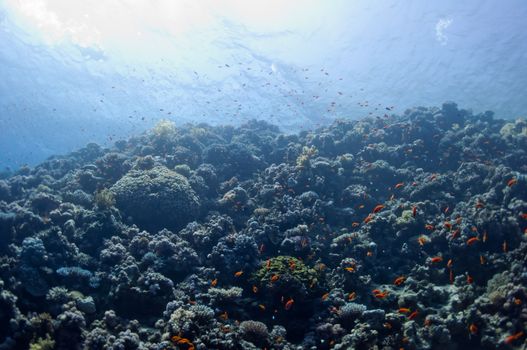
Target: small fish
449	263
469	279
261	307
513	337
436	259
413	315
352	296
355	224
224	316
261	249
447	225
274	278
473	329
455	234
214	282
451	276
399	185
422	240
512	182
268	264
504	246
325	296
472	240
399	280
349	269
369	253
238	274
255	289
387	325
480	205
429	227
289	304
368	218
404	310
485	237
414	211
446	210
378	208
482	260
517	301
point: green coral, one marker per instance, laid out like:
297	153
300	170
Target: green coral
303	159
405	218
164	129
43	344
286	275
104	199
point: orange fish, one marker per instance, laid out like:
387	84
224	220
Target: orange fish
436	259
473	328
480	205
399	185
399	280
404	310
368	218
268	264
449	263
381	295
180	341
447	209
504	246
517	301
512	182
350	269
469	279
255	289
238	274
369	253
414	211
289	304
482	260
352	296
214	282
325	296
429	227
447	225
274	278
261	307
292	264
422	240
355	224
413	315
513	337
472	240
455	234
378	208
224	316
376	291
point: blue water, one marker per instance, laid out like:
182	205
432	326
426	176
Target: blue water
72	73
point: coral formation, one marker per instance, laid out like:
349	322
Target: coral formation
406	231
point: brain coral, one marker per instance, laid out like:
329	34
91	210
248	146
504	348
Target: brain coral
156	198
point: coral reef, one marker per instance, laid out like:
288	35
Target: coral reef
396	232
